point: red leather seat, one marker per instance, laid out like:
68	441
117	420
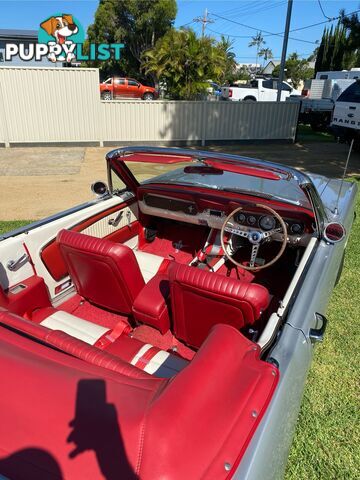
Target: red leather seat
105	273
201	299
126	423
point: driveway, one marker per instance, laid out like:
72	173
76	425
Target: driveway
37	182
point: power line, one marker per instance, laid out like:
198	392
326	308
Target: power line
260	10
281	34
228	35
186	24
322	11
257	9
245	9
324	21
257	29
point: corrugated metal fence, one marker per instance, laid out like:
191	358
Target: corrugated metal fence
54	105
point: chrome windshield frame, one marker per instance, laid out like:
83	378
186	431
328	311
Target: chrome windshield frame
304	182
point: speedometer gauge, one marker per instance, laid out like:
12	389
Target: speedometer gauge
267	222
240	217
251	220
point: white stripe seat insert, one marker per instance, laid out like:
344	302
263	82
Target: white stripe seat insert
149	264
76	327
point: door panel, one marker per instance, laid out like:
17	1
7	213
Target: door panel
35	241
107	223
26	296
120	87
133	89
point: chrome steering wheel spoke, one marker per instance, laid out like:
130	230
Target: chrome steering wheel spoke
236	231
269	233
255	236
254	252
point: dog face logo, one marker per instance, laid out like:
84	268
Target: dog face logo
60	27
61	32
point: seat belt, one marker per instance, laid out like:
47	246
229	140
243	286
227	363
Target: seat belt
110	337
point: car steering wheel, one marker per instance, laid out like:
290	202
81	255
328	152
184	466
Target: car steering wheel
254	235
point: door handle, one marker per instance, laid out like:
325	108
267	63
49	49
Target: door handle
352	108
317	334
115	221
14	265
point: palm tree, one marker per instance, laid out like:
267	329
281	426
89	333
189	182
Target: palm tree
225	45
185	62
266	53
257	41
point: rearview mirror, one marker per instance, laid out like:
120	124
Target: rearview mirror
99	188
203	170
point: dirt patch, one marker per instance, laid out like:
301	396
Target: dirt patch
43	161
37	182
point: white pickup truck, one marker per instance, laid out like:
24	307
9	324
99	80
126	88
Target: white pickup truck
258	90
346	117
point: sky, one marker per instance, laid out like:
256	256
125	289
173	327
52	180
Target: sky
254	15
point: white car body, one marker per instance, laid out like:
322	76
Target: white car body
259	90
347	108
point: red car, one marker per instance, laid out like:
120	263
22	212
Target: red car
115	87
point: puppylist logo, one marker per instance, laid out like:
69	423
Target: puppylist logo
61	39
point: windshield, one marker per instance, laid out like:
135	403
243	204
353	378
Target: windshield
351	94
284	189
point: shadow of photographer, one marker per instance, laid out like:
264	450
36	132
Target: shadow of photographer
95	427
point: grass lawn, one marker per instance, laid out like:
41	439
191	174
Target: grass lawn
327	440
307	134
8	226
326	444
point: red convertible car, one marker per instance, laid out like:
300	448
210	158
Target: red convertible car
165	329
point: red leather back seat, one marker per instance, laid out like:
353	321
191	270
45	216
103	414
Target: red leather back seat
105	273
69	344
201	299
126	425
115	354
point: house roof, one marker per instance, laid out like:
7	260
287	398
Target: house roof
274	62
16	34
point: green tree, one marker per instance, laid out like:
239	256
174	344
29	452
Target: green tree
266	54
239	74
297	70
320	54
352	28
334	52
313	56
184	63
339	44
327	50
257	41
139	24
225	46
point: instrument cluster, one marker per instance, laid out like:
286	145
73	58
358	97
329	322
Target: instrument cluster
268	222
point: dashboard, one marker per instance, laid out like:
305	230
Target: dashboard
212	213
268	222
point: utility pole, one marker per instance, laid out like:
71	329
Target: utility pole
204	20
284	49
